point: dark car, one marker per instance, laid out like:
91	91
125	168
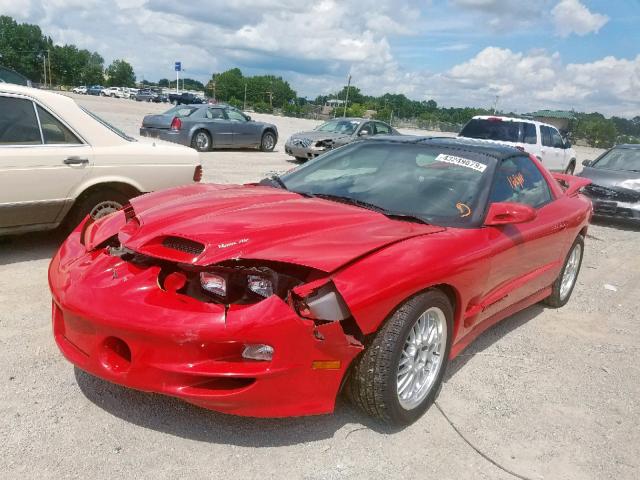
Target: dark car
615	191
95	90
334	134
206	127
185	98
150	95
8	75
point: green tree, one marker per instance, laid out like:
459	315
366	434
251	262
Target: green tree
22	47
164	82
229	84
120	74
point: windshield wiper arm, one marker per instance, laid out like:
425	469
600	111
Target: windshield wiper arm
370	206
350	201
274	180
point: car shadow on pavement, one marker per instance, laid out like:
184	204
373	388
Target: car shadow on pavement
491	336
30	246
175	417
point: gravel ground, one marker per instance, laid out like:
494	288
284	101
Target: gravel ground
547	393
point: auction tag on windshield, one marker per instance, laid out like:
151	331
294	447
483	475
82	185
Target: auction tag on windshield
463	162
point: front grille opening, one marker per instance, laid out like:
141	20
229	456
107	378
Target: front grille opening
183	245
218	384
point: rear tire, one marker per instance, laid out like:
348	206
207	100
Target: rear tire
201	141
98	203
301	159
268	142
562	288
398	359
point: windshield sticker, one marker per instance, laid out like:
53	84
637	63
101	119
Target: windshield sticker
464	209
516	181
463	162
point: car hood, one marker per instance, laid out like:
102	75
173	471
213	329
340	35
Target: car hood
315	135
262	223
613	178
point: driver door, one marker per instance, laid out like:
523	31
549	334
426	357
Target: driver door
526	257
41	162
245	132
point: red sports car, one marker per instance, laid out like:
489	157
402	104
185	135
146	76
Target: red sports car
366	269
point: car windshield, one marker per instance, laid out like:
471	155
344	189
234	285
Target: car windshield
180	111
627	159
346	127
440	185
115	130
493	129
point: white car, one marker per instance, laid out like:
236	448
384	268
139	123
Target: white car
540	139
82	90
60	162
130	93
115	92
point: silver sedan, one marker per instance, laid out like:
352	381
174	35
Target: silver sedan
207	127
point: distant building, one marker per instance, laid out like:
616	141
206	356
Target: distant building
558	118
8	75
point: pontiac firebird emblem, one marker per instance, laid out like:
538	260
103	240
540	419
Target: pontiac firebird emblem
231	244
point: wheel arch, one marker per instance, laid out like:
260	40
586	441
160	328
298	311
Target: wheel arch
124	187
270	129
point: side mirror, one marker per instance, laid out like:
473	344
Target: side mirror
587	163
363	133
567	143
508	213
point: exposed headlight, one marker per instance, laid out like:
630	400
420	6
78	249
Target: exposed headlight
259	285
213	283
258	352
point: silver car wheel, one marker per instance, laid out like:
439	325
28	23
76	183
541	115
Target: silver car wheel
421	358
202	141
570	271
268	142
103	209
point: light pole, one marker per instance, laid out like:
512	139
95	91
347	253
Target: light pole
346	100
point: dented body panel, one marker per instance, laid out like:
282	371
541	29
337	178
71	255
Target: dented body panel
346	269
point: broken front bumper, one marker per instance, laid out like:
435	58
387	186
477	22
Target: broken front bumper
111	319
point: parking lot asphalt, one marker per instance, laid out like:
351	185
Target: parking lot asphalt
551	394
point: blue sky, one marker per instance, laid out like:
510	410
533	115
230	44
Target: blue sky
581	54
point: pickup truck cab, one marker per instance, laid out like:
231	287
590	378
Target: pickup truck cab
59	162
540	139
114	92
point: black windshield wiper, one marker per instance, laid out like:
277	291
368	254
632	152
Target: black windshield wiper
349	201
273	180
370	206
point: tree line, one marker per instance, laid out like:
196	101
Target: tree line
27	50
24	48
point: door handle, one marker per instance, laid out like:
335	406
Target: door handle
75	161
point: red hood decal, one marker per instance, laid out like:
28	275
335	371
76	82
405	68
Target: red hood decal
255	222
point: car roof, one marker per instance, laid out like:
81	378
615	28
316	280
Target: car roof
513	119
631	146
496	150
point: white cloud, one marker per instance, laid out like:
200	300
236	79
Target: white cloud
505	14
537	79
571	16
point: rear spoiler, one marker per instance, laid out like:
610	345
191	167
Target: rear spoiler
570	184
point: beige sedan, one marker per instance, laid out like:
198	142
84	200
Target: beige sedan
60	162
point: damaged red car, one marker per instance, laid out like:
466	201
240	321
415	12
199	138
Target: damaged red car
365	270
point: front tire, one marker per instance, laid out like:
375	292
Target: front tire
562	288
398	376
268	142
201	141
98	204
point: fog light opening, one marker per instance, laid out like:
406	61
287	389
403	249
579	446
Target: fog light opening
258	352
115	355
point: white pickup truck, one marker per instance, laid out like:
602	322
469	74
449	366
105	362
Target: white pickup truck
540	139
60	162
